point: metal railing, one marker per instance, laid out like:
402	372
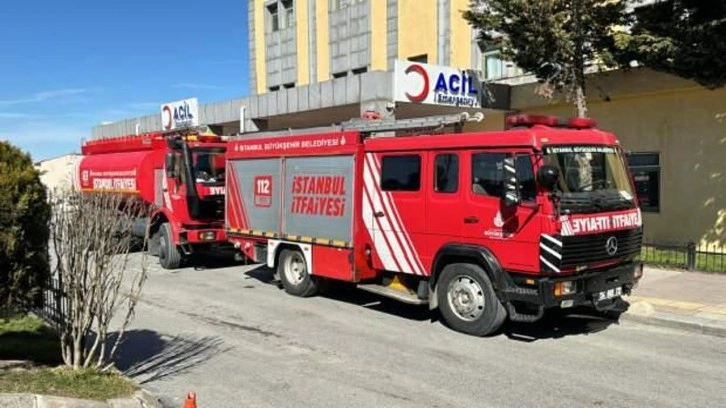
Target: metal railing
53	296
688	256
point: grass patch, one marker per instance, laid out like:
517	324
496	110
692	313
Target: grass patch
28	338
84	384
678	258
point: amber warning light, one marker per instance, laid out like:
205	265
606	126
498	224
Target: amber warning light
551	121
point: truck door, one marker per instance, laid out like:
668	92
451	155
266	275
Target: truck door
511	233
395	193
444	198
174	190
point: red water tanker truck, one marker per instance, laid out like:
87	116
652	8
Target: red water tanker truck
179	176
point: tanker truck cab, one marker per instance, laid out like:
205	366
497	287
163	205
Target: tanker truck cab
192	213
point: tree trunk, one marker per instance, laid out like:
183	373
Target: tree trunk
580	102
77	352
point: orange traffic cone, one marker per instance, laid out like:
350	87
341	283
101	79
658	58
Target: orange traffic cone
191	401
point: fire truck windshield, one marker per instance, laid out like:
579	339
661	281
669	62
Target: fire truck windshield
592	178
208	166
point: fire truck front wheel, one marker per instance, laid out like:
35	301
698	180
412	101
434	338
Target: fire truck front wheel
169	255
467	300
294	274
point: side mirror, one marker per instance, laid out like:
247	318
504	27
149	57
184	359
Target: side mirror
511	186
170	164
548	176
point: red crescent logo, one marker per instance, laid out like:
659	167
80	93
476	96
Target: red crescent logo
425	91
167	110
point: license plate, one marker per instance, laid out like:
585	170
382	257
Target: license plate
610	293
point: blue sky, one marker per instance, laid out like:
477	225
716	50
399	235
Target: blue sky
68	65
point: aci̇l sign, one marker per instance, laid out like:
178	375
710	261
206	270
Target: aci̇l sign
436	85
180	114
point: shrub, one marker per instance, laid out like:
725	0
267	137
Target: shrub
24	230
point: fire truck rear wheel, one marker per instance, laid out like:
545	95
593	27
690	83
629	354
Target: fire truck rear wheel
294	274
169	255
467	300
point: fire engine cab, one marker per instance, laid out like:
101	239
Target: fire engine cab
485	226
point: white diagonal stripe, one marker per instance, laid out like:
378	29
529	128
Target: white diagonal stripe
406	240
546	248
385	256
552	239
396	221
546	262
386	229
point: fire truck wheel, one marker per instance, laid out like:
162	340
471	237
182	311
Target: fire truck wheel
169	255
294	274
467	300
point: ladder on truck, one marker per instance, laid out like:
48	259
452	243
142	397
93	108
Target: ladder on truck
372	127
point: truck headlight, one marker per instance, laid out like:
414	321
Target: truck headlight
565	288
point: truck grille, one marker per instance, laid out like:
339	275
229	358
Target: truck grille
563	252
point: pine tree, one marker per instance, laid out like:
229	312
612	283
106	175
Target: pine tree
24	230
556	40
686	38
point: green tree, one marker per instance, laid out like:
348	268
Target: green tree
556	40
24	230
686	38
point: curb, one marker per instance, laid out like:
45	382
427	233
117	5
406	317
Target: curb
140	399
645	314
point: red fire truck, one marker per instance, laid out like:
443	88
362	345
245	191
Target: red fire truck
485	226
178	174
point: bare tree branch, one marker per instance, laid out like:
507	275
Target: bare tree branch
93	242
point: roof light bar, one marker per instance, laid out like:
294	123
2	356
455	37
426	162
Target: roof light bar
524	120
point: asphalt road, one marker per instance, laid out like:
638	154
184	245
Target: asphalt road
237	340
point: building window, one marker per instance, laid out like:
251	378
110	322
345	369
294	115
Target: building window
646	174
446	177
341	4
401	173
274	17
487	174
493	65
423	58
288	13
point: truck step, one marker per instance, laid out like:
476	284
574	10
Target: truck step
516	316
397	294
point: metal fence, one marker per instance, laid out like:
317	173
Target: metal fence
687	256
53	296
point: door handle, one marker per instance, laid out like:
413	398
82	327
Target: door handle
471	220
379	214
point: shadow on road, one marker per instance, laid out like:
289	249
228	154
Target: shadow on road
214	260
562	323
347	293
146	356
554	325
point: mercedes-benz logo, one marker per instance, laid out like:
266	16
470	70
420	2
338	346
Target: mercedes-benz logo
611	245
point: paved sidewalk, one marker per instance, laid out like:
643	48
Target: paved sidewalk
692	301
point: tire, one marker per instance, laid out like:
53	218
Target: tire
294	274
467	301
169	255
